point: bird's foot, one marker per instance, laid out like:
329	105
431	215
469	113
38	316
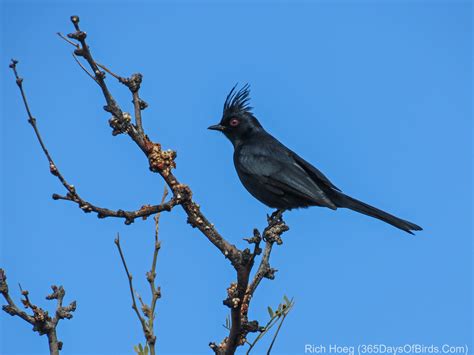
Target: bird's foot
276	227
277	214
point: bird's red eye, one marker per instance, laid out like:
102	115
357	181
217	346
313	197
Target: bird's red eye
234	122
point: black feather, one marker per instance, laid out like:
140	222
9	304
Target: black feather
238	101
277	176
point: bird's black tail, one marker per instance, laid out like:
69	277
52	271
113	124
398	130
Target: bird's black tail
341	200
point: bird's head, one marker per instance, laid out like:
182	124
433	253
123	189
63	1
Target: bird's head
238	122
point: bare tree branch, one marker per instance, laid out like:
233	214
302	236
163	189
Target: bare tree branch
146	331
129	216
41	321
240	294
162	162
73	195
151	275
271	234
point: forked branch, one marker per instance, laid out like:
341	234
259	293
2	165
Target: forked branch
41	321
72	194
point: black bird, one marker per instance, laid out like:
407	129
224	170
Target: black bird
277	176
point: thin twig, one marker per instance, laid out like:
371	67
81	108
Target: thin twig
128	216
276	333
280	313
83	68
133	83
118	77
151	275
130	284
148	311
67	40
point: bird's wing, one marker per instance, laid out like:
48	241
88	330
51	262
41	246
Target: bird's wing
273	164
315	174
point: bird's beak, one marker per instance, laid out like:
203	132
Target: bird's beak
217	127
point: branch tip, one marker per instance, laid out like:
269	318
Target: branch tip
75	21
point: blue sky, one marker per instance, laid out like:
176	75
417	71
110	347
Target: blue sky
375	94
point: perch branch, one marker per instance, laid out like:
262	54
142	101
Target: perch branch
271	234
240	294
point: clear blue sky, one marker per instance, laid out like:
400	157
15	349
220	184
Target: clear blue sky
376	94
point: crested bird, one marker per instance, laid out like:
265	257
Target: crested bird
277	176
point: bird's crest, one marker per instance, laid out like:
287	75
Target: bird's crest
238	101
